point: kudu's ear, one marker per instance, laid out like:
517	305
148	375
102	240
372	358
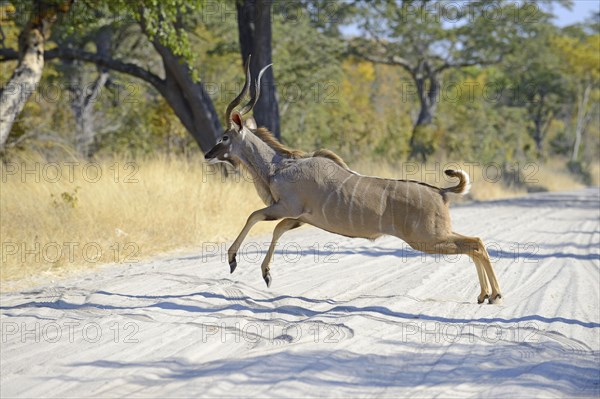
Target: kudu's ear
236	118
250	123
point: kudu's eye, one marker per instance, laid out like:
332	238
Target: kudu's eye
225	138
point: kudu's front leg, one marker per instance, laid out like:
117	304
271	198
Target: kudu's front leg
282	227
273	212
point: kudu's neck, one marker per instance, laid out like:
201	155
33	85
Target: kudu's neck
258	157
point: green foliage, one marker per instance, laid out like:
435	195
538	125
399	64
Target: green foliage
329	98
307	71
143	128
164	21
446	33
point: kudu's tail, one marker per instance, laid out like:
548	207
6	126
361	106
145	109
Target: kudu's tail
464	183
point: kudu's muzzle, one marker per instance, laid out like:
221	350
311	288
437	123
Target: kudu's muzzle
219	153
211	154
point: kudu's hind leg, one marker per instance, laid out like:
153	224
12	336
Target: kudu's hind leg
475	249
272	212
471	246
483	281
496	295
282	227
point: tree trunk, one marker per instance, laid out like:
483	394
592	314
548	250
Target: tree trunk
254	28
189	100
538	123
426	110
581	122
428	98
84	96
28	73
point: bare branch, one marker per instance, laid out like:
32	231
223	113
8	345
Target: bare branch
382	49
447	64
8	54
100	60
392	60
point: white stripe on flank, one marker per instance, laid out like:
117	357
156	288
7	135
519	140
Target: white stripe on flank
324	205
329	196
366	191
406	210
382	204
392	203
352	201
420	205
432	194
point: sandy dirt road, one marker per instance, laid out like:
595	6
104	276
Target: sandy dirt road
343	317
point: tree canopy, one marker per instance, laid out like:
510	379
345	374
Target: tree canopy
384	79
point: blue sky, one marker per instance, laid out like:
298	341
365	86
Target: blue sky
581	10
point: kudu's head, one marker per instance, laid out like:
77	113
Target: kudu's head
229	145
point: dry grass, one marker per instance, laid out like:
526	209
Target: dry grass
51	226
553	176
133	211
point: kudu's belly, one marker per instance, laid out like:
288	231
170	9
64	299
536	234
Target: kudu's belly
344	227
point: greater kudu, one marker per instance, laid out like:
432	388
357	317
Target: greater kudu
319	189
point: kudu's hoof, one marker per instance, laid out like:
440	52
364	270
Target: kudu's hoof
233	264
268	280
495	300
482	300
